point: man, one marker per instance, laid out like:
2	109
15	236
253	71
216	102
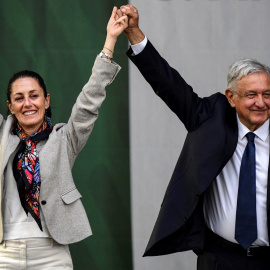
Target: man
217	201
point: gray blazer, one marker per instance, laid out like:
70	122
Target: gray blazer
63	211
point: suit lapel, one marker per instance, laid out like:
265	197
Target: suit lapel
232	138
268	187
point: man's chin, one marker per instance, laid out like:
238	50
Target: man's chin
259	122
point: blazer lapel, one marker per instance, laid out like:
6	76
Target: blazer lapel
9	143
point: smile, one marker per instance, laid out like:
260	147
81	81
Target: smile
29	113
259	111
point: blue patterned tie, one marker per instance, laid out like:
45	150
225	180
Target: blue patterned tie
246	219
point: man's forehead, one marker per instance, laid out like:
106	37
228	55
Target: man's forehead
254	80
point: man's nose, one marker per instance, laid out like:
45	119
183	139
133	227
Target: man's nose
260	101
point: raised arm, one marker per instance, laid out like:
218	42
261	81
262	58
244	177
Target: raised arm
165	80
115	27
85	110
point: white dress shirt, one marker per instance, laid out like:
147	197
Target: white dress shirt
221	200
137	48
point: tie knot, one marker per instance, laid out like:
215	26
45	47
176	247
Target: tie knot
250	136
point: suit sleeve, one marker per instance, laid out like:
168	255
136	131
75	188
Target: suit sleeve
172	88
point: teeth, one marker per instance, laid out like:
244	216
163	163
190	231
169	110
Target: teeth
29	113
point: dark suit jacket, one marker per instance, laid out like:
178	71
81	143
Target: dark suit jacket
211	141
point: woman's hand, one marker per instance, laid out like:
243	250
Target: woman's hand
115	27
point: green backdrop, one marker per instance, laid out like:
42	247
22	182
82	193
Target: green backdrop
60	40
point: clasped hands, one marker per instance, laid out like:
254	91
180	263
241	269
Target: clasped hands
125	19
122	19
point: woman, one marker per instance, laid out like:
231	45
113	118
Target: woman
41	210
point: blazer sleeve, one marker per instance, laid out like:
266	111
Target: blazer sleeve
85	110
168	84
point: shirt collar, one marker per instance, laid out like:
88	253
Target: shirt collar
262	132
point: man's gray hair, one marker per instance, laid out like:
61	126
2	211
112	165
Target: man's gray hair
242	68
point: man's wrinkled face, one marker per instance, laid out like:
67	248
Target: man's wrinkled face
251	99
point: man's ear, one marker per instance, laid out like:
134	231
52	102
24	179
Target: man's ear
230	96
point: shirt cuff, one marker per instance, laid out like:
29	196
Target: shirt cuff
138	48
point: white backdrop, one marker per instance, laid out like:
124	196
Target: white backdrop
201	39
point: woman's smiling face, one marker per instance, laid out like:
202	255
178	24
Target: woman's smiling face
28	103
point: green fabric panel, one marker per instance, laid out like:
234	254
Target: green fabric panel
60	40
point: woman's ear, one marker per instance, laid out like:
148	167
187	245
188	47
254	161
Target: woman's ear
47	101
10	107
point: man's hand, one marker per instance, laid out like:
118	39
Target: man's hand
133	16
133	32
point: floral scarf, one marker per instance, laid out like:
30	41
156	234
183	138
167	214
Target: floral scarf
26	168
